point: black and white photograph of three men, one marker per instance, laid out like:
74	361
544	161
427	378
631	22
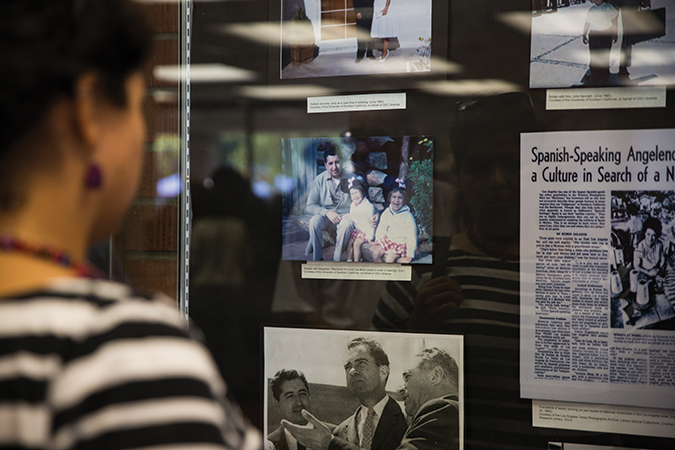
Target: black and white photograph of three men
342	390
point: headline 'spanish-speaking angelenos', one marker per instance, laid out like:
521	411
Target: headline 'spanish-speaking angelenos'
624	175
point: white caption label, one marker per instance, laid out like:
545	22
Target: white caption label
603	418
365	102
606	98
356	271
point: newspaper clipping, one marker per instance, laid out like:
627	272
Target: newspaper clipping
597	267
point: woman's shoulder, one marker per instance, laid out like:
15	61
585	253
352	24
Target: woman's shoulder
127	354
80	307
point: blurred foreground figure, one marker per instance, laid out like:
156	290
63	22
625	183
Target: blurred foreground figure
86	363
473	289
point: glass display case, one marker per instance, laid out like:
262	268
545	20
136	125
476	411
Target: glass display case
531	146
146	252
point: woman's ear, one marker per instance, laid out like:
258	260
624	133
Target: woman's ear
87	103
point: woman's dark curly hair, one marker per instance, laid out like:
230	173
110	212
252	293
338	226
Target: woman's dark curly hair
46	44
654	224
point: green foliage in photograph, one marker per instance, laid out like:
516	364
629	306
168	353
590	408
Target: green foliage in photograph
421	173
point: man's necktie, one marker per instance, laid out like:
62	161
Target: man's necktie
368	429
300	446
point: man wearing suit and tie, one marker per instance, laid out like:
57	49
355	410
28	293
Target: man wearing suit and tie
363	9
291	395
378	424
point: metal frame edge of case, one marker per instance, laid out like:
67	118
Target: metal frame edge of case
184	208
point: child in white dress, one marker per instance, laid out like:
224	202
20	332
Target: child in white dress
361	212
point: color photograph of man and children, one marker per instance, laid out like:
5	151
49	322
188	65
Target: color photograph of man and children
358	199
642	263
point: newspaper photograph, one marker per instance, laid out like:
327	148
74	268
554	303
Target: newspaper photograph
598	267
370	389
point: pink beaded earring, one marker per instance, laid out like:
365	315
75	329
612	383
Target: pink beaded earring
94	177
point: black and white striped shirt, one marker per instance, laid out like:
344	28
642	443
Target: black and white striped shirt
88	364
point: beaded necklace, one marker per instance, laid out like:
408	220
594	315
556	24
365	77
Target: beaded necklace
86	269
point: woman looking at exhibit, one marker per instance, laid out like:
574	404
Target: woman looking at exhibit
86	363
649	257
396	235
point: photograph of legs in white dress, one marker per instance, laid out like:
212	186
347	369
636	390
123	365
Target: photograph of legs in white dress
354	37
385	25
